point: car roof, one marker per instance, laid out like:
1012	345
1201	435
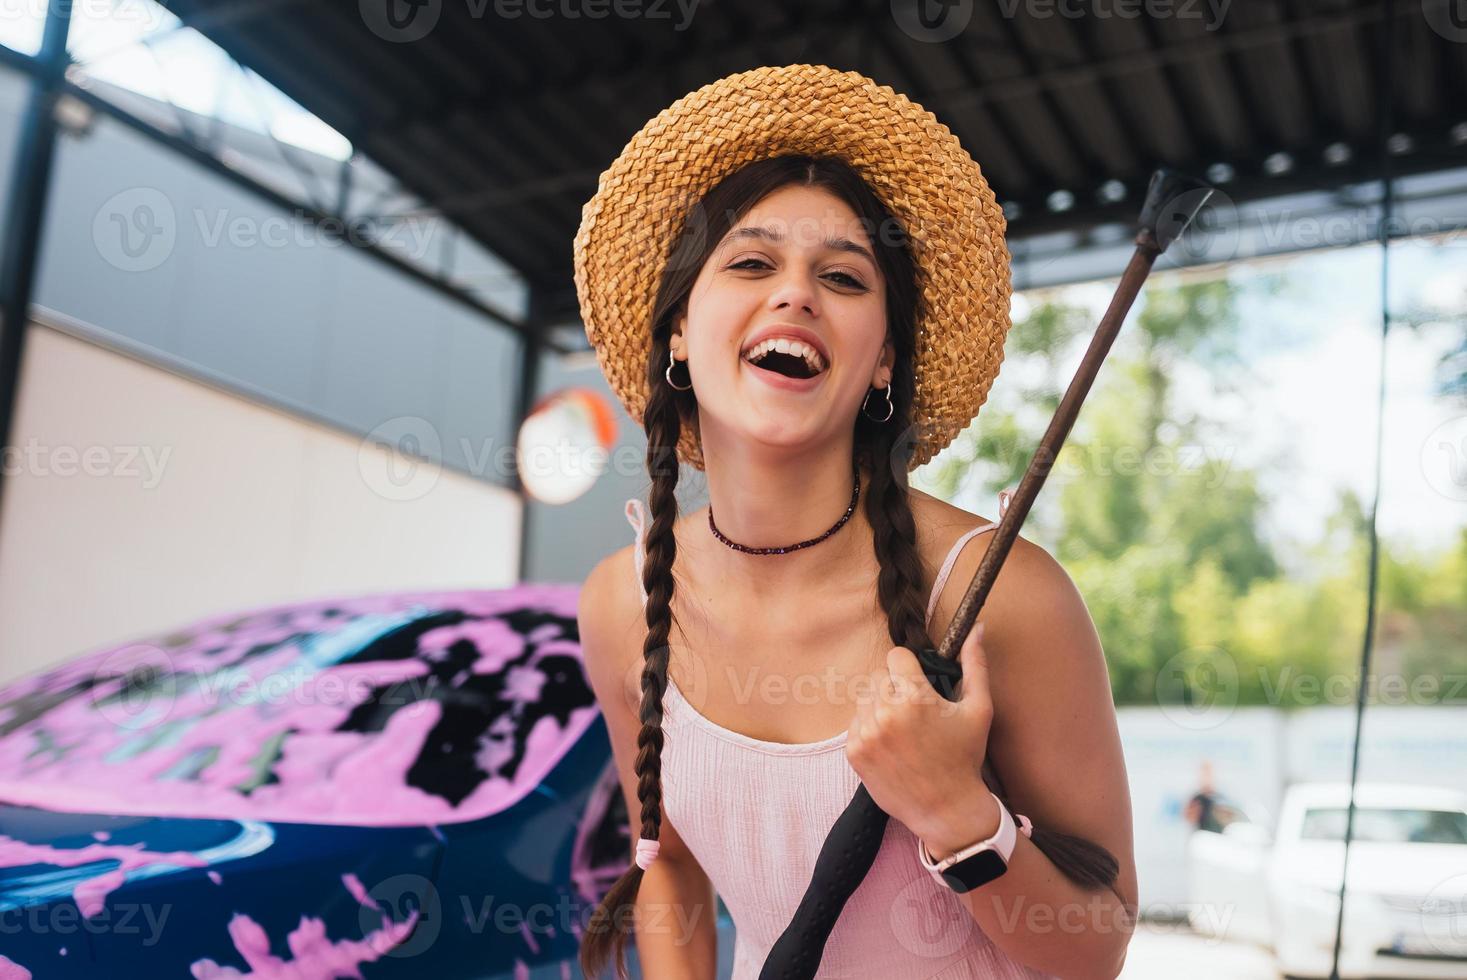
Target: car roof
1377	794
398	708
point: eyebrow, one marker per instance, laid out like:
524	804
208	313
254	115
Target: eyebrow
777	236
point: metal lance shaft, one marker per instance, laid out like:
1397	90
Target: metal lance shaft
1172	200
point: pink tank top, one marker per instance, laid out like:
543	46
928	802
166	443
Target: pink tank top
755	813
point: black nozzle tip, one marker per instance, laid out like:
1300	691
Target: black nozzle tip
1172	201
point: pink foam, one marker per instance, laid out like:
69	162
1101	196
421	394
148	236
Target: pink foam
312	953
211	732
358	890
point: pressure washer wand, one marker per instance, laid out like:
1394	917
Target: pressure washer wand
1172	201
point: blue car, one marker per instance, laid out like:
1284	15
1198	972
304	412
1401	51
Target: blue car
401	785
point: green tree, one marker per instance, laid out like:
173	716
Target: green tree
1164	533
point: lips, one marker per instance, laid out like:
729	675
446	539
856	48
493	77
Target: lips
793	332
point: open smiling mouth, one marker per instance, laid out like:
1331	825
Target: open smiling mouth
788	364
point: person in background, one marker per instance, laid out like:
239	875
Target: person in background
1201	809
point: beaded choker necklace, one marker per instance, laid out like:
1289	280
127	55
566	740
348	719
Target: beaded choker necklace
855	495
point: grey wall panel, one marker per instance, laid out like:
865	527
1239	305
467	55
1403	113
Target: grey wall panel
483	368
110	246
141	243
384	356
248	301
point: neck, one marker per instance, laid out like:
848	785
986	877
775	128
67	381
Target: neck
772	502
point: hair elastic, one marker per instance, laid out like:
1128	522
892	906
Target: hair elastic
646	851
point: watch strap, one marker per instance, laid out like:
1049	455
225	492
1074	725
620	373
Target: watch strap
1001	843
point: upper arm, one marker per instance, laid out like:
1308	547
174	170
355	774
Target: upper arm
1054	739
611	631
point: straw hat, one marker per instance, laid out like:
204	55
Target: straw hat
915	165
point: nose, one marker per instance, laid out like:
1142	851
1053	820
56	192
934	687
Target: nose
794	291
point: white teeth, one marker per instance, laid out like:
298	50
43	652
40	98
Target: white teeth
786	346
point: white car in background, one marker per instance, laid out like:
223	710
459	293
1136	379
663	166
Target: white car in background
1406	900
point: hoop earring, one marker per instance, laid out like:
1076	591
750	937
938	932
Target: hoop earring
889	407
668	374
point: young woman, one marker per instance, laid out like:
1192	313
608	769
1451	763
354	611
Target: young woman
796	280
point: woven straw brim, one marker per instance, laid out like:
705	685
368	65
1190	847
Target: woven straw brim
915	165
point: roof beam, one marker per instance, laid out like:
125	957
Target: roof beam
1159	56
1314	107
659	69
1115	104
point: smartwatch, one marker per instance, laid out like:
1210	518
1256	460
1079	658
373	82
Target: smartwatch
977	864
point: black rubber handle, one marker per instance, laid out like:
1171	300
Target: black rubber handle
846	856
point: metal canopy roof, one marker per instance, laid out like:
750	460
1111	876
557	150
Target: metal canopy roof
502	113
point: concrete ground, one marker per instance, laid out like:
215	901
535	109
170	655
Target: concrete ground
1158	951
1162	951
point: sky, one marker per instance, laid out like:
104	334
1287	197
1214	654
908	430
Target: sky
1305	410
138	44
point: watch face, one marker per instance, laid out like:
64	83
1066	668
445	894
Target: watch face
978	869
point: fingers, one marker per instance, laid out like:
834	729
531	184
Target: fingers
975	668
910	681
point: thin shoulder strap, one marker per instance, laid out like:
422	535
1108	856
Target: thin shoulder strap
637	516
952	555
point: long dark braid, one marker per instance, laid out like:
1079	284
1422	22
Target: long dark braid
883	448
900	590
606	937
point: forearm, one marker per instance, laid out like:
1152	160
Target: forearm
1032	911
677	923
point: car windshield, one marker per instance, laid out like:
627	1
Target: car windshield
1387	825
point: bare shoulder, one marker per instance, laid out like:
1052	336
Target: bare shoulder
1028	579
614	577
940	524
609	615
612	631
